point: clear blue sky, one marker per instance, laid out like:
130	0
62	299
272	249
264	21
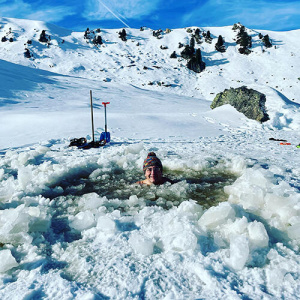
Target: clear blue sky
77	15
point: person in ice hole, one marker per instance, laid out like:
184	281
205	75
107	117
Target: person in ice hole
153	171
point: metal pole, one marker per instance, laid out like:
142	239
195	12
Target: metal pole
92	116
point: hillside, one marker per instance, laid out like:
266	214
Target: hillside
140	59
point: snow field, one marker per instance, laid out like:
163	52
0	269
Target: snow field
125	240
116	61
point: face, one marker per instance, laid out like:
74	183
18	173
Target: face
153	175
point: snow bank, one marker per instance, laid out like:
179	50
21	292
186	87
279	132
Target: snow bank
264	194
80	213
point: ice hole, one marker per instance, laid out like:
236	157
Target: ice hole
117	185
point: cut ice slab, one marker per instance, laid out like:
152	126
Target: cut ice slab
7	261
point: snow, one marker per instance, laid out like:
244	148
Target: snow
73	225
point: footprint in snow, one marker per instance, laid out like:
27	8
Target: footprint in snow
210	120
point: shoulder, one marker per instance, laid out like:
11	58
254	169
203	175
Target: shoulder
141	182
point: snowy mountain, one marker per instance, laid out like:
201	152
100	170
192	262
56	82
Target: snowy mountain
73	225
140	63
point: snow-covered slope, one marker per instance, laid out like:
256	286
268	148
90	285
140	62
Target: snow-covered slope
141	61
73	225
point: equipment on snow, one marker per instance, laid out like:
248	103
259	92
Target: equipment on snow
285	143
105	135
279	140
78	142
94	144
104	138
298	146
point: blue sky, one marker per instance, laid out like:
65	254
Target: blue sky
78	15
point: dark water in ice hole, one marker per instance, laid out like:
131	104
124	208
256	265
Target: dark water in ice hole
205	186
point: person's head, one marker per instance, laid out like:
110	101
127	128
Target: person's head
153	169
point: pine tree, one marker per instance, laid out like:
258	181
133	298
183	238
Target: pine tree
27	53
245	40
197	32
98	40
241	32
86	33
220	44
236	26
198	56
192	43
266	41
195	63
187	52
208	37
122	35
173	55
43	37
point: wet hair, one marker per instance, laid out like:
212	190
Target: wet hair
152	160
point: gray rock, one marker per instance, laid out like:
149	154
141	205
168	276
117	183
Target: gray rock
247	101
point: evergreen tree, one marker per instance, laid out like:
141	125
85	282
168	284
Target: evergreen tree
187	52
241	32
198	56
86	33
220	44
98	40
266	41
220	41
27	53
245	40
43	37
236	26
122	35
195	63
192	43
208	38
173	55
197	32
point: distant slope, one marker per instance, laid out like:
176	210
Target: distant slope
141	61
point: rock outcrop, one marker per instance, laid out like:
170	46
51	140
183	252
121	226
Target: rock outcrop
247	101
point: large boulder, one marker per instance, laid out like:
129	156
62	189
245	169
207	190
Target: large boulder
247	101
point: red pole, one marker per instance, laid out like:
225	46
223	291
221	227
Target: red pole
105	103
